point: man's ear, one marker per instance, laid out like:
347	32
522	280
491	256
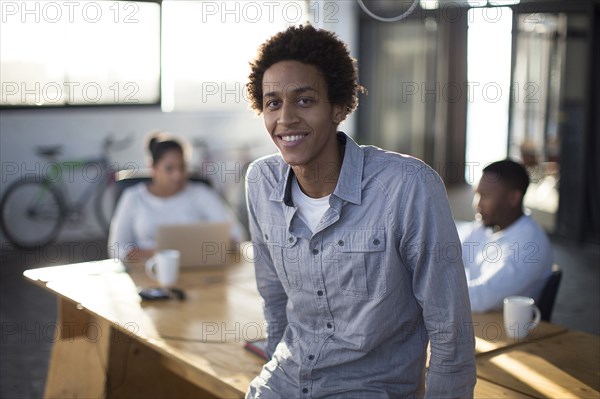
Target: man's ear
515	198
339	114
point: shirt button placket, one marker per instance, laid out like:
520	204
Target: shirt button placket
320	294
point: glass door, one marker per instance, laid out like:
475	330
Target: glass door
549	100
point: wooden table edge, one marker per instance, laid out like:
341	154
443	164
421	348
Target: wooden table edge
521	343
184	369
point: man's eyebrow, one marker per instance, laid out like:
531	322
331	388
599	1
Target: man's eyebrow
295	91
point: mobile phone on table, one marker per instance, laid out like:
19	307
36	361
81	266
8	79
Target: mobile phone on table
153	294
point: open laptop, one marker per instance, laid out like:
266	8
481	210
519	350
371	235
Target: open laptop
200	244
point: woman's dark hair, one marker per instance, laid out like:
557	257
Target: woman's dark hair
159	146
319	48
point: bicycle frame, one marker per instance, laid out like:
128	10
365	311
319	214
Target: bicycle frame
53	198
92	187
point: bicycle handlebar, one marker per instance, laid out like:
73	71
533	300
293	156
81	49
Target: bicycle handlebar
110	142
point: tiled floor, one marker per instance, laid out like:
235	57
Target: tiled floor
28	313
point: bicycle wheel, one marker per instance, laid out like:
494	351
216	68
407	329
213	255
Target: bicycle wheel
31	214
104	205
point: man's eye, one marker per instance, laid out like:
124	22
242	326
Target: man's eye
305	101
272	104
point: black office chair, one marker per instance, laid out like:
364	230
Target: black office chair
127	178
548	297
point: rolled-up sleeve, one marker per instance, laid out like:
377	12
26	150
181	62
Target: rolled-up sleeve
432	250
268	283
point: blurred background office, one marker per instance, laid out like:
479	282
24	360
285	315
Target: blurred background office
458	84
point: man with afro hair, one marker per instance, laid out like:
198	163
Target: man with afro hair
356	254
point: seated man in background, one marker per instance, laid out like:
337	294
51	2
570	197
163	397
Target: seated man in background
506	252
168	199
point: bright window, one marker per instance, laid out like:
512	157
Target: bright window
489	60
207	45
82	52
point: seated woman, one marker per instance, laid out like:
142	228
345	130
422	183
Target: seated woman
168	199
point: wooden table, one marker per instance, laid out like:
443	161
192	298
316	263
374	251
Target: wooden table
490	334
110	344
563	366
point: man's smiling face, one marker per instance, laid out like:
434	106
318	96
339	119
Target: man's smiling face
298	115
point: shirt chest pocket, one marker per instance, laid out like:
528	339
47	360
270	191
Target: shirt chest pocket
286	256
359	258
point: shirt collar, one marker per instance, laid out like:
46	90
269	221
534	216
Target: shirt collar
348	187
282	190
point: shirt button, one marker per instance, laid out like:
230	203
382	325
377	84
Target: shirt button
315	251
311	357
341	243
304	390
320	293
376	241
266	237
329	325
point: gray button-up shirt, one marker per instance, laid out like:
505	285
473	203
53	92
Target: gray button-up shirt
351	307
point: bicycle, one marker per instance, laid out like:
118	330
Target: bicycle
34	209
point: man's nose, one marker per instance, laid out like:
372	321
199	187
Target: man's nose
288	114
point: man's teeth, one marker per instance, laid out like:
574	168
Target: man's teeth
291	138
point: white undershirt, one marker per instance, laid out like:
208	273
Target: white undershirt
310	210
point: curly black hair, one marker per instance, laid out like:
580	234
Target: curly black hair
317	47
511	173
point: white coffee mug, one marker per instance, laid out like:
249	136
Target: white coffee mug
164	267
520	316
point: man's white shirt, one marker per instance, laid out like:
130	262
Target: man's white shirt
514	261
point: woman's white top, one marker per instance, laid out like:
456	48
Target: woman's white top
139	213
